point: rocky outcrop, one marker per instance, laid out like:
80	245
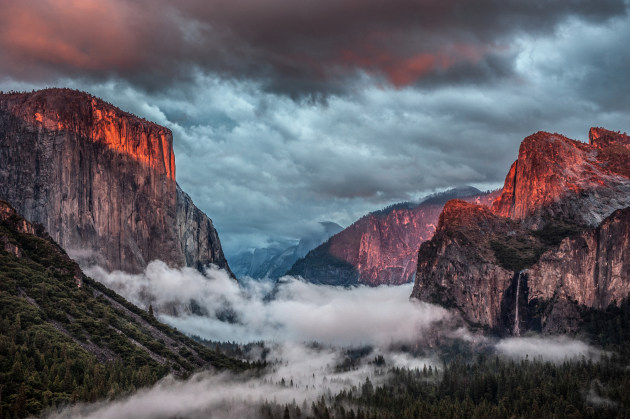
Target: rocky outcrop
548	246
603	138
457	267
591	269
197	235
558	178
382	247
101	181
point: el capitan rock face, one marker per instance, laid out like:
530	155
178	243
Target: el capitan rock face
382	247
547	246
100	180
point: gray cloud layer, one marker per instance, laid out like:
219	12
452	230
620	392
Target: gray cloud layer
305	46
266	166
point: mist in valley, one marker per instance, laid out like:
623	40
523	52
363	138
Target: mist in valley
316	340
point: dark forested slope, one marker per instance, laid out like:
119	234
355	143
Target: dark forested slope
65	337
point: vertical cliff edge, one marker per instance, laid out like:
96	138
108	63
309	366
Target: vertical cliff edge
553	245
101	181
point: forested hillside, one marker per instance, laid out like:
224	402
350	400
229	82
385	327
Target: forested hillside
65	337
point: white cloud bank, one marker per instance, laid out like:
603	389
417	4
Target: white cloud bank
299	311
307	373
555	349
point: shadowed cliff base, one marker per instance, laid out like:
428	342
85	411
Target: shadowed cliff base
320	267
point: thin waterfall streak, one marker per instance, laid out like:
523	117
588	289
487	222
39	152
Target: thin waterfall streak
517	329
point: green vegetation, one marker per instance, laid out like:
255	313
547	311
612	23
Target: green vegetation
554	232
521	251
60	343
516	253
484	387
474	384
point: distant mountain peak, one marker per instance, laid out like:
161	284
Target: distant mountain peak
274	261
382	246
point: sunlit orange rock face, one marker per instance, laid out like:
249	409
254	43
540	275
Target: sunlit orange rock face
380	248
559	232
101	181
553	176
602	138
94	120
613	149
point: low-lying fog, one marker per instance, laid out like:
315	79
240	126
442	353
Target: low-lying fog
290	317
297	312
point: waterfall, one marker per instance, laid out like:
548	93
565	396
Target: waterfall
517	329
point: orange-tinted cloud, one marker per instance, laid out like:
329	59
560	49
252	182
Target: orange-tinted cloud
402	71
78	34
293	45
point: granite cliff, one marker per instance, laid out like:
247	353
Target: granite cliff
555	177
381	247
551	245
101	181
590	269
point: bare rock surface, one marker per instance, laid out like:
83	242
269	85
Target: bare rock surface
101	181
381	247
556	240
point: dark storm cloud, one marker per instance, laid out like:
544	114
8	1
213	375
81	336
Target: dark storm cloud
294	46
468	81
595	64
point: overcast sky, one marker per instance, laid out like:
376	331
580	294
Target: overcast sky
286	113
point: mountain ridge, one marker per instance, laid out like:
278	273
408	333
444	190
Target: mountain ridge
65	337
380	247
551	225
101	181
274	262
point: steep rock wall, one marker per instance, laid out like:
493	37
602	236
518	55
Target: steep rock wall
548	245
457	268
100	180
556	177
381	247
592	268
